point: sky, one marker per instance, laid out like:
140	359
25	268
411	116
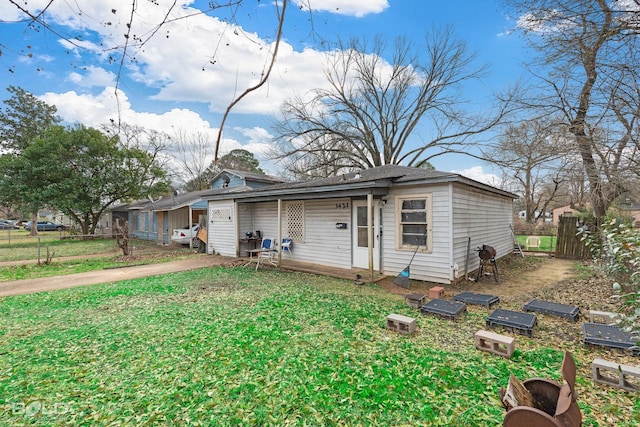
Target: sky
188	70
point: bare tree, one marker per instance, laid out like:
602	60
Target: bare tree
534	163
194	153
368	115
588	72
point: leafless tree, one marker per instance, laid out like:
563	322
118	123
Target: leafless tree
535	163
122	236
369	113
587	71
156	143
194	153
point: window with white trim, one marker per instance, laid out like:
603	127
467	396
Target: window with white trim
295	221
413	222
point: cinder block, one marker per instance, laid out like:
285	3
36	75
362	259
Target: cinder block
401	324
501	345
605	317
615	374
436	292
415	300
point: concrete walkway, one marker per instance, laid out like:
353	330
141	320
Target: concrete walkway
44	284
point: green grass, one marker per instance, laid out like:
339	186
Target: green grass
27	248
230	346
91	255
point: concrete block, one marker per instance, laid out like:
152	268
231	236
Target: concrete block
615	374
501	345
436	292
415	300
605	317
401	324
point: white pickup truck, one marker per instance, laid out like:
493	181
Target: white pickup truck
183	236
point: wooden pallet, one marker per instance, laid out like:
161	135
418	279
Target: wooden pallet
477	299
515	321
444	308
570	312
609	336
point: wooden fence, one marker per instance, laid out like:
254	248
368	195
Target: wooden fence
569	244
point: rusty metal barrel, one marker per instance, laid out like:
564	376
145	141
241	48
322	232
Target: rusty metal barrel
486	252
556	405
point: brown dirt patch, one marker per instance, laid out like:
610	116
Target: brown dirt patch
520	280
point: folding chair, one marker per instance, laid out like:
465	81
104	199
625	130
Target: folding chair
286	246
266	252
533	242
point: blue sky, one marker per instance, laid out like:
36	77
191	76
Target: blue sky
186	74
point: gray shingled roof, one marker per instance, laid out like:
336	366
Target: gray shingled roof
379	177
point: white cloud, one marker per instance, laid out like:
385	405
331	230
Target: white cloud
357	8
94	77
478	174
96	110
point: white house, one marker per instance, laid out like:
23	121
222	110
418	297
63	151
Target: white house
374	219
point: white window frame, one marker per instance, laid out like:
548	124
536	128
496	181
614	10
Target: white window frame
428	198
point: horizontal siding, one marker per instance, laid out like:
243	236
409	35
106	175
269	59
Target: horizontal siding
486	219
221	235
265	219
178	218
433	266
245	219
323	243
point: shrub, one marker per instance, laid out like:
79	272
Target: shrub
616	249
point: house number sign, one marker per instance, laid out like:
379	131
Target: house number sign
344	205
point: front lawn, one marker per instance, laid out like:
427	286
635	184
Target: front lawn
28	248
230	346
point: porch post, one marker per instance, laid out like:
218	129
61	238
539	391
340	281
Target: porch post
279	243
189	225
370	226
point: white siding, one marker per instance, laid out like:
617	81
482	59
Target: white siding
178	218
486	218
324	244
432	265
245	219
221	235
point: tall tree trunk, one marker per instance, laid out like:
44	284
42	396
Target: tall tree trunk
34	224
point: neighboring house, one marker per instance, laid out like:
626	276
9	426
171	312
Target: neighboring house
563	211
329	221
547	216
156	219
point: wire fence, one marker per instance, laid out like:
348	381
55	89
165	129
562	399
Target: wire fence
18	245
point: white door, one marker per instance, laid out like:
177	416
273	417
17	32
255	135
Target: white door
360	235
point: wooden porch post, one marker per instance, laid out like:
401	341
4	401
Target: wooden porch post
189	225
279	243
370	226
